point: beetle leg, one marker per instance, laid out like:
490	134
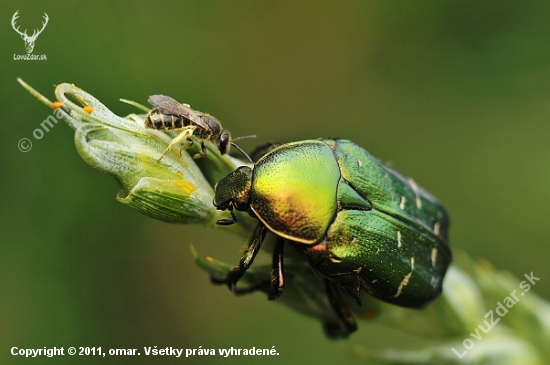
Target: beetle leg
246	260
342	311
277	274
228	222
273	287
335	329
264	287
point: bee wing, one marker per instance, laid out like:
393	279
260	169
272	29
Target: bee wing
168	105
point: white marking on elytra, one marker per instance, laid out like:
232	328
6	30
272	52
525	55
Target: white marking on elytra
335	260
402	203
374	281
399	239
359	163
434	256
405	280
436	228
415	189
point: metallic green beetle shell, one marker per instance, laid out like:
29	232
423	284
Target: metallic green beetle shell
294	190
356	222
397	250
389	191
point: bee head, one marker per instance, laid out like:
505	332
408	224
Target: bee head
225	141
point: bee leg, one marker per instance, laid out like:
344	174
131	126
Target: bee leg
189	144
238	271
185	135
348	324
202	153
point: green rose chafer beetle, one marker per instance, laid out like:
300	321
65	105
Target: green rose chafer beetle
357	223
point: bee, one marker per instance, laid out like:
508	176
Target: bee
170	114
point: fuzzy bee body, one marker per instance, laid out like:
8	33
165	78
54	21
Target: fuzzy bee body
170	114
165	122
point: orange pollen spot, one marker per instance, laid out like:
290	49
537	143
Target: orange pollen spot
56	105
369	314
88	109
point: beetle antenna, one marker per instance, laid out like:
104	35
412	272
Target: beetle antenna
242	151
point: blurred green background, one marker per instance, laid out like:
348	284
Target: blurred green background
454	94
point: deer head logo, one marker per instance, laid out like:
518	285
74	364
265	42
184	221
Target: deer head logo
29	40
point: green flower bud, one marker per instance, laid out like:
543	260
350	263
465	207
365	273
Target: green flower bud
173	189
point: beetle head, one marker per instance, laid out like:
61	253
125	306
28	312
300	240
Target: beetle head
232	191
